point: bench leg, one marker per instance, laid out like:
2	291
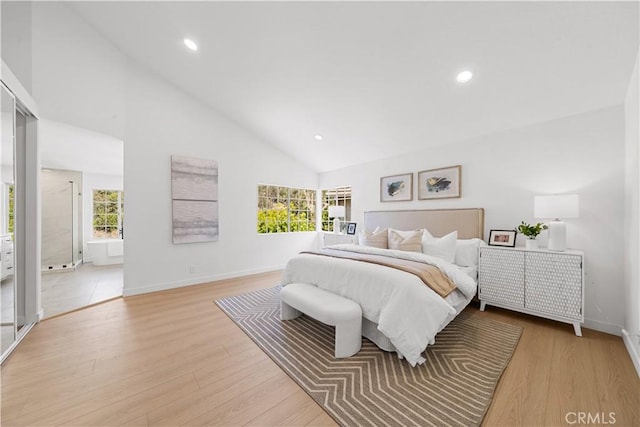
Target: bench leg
348	338
287	312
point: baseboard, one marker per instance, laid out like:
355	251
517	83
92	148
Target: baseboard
631	349
597	325
196	281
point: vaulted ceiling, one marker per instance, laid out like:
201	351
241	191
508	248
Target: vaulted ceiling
378	78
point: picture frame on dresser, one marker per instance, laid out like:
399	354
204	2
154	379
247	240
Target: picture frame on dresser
351	228
505	238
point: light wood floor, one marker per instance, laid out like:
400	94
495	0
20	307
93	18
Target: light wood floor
173	358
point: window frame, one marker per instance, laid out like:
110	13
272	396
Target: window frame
120	214
269	194
8	207
342	197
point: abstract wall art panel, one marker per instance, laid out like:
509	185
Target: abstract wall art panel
194	190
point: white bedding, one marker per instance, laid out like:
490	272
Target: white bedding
407	311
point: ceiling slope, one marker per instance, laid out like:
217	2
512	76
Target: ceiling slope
378	78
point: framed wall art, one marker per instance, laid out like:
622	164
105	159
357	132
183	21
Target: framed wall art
443	183
502	238
396	188
194	194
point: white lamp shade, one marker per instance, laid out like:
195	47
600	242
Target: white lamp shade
336	212
562	206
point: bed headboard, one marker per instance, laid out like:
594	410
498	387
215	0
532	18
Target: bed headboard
468	222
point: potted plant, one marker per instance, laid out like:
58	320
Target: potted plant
531	233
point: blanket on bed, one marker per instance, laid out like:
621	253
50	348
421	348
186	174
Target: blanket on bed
429	274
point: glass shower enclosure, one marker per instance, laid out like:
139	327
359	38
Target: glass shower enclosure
61	225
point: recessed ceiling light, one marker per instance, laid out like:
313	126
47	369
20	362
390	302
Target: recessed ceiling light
191	45
464	76
318	137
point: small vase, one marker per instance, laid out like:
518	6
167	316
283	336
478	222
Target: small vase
531	244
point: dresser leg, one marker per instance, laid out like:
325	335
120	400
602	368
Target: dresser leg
482	305
576	328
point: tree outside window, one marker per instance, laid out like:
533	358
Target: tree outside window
285	209
11	210
108	208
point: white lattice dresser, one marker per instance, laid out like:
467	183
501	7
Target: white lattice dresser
539	282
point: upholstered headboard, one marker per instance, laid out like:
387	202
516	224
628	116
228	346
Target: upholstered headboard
468	222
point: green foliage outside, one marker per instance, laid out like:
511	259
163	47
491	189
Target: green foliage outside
327	224
10	225
277	220
283	209
107	207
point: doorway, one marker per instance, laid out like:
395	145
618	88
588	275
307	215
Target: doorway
81	221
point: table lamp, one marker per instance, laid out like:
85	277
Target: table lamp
336	212
556	208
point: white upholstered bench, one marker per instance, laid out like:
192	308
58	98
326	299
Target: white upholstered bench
328	308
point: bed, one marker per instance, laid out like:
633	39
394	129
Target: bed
400	313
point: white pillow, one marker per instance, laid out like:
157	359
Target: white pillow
443	247
410	241
376	238
467	252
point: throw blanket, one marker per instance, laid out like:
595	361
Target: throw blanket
429	274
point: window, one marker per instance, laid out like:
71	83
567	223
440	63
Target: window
284	209
335	196
108	208
10	209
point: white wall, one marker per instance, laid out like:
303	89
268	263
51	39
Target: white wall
78	78
162	121
6	174
15	39
502	173
631	333
68	147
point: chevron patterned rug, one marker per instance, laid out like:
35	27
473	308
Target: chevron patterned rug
375	388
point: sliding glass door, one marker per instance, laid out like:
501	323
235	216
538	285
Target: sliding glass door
8	291
19	210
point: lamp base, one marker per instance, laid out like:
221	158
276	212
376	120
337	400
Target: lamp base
336	226
557	236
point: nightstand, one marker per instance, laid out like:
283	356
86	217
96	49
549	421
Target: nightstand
539	282
327	239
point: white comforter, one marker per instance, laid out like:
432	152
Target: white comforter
406	310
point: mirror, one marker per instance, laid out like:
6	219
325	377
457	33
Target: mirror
7	165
